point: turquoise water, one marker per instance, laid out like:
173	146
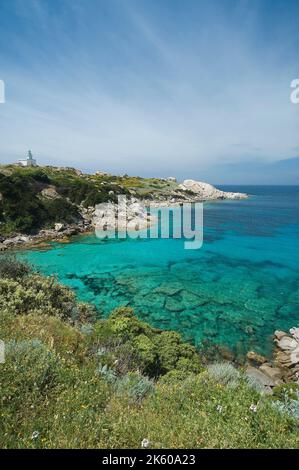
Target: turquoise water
233	292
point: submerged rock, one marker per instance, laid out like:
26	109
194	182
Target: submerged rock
174	305
169	288
256	358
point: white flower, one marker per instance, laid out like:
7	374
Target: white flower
253	408
35	435
145	443
219	408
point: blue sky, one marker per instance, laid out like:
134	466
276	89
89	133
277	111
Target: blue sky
188	88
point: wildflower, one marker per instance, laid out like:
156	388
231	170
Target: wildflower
35	435
253	408
145	443
219	408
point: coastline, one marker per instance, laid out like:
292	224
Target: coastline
268	370
103	215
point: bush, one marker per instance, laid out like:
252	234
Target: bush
12	268
22	209
289	406
174	354
286	399
286	391
138	346
30	370
43	296
224	373
174	377
134	386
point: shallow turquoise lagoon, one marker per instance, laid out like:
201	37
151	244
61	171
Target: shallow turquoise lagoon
233	292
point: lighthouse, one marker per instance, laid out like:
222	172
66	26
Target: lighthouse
29	161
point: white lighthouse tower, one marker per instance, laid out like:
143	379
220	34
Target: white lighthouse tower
29	161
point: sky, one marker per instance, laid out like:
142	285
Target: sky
187	88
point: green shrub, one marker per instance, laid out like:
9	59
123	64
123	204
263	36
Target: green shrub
30	370
22	209
134	386
224	373
44	296
286	391
289	406
12	268
137	345
174	377
107	373
173	353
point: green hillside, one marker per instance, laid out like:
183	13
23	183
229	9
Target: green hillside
38	197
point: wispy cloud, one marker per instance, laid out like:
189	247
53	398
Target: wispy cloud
149	87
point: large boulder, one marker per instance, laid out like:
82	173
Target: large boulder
278	334
287	353
58	227
50	193
262	379
131	217
206	191
273	373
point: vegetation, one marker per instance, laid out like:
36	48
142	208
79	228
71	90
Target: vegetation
25	206
72	379
23	209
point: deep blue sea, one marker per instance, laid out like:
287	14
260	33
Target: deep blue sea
232	293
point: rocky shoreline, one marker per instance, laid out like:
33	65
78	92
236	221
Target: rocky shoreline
284	367
61	233
102	217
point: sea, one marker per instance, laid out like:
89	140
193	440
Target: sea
227	297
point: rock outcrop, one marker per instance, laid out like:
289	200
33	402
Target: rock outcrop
286	356
206	191
285	366
50	193
132	217
58	227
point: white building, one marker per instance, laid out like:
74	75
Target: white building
29	161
